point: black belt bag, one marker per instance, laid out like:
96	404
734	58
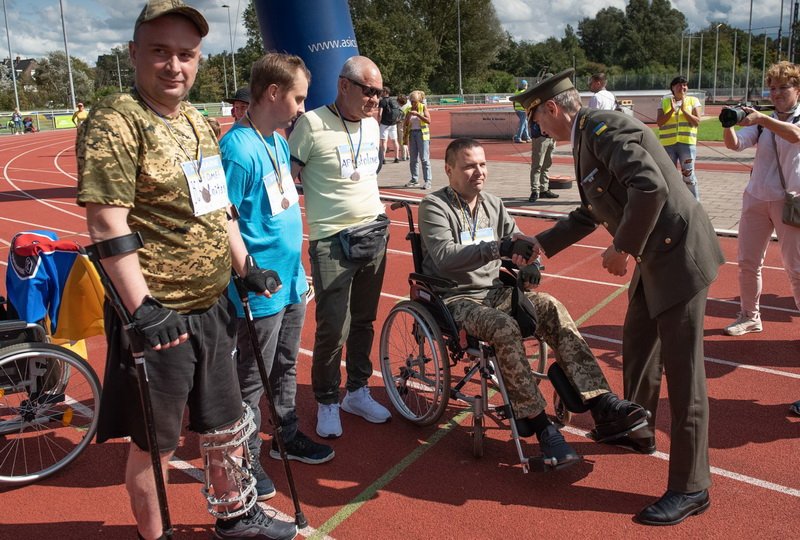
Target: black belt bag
363	243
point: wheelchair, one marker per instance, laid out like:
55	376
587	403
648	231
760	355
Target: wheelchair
49	401
421	346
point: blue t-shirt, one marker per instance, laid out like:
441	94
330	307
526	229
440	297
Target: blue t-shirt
275	242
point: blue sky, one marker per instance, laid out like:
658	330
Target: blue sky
94	26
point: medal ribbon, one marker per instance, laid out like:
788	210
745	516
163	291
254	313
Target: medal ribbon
272	158
470	221
197	162
353	152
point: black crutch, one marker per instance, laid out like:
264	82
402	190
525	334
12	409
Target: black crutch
97	252
299	517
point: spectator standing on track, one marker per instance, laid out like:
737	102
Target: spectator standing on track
335	147
79	115
417	132
629	185
390	115
677	119
258	171
16	118
522	134
239	102
463	228
174	195
542	147
402	100
602	98
776	171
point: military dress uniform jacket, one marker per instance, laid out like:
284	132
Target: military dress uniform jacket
628	184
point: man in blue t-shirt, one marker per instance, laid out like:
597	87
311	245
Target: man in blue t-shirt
257	168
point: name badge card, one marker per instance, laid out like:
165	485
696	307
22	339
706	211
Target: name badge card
278	201
481	235
208	189
367	161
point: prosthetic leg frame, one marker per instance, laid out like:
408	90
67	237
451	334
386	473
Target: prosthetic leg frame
97	252
299	517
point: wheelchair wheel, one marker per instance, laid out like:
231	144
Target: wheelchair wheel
563	415
49	399
414	363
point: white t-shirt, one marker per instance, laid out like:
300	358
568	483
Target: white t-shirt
335	197
765	182
603	100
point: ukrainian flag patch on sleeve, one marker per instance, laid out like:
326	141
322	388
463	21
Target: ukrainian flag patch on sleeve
601	127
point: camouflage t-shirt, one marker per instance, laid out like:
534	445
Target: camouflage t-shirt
130	157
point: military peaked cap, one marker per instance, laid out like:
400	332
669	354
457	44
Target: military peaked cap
546	89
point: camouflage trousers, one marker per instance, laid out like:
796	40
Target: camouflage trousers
490	321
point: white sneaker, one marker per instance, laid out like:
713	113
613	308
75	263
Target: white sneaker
329	426
426	185
361	404
744	325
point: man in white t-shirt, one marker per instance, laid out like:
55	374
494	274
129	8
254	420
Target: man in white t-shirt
335	148
602	98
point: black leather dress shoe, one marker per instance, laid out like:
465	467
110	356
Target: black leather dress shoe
673	507
643	445
548	195
534	196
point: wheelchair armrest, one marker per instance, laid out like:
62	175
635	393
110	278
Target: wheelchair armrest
434	281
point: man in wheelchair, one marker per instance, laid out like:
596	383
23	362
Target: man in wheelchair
465	232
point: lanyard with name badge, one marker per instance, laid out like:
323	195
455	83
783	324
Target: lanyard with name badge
356	176
272	159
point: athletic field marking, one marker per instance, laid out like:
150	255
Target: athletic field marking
199	476
714	470
55	162
30	226
711	360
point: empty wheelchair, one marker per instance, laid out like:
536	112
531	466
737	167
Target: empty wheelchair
421	346
49	398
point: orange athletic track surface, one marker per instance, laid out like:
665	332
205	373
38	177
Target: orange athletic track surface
400	481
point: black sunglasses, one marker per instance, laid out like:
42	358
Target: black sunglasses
368	91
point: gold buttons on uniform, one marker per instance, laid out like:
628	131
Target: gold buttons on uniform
638	259
589	207
605	224
667	241
599	190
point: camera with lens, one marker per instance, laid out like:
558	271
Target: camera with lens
731	116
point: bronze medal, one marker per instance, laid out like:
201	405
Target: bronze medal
356	176
285	203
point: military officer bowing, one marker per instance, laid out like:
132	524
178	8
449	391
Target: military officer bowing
629	185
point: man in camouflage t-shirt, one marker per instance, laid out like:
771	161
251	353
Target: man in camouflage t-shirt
149	163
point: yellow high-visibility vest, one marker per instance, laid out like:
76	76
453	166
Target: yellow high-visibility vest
517	105
678	129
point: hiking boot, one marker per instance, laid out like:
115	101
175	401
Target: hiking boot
548	195
255	524
265	489
615	417
534	197
360	403
303	449
744	325
329	426
412	183
556	452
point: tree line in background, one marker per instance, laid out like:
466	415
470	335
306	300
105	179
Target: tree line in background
415	43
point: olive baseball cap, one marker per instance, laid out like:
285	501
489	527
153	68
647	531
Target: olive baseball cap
158	8
546	89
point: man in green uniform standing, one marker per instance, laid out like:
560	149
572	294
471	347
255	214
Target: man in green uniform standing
629	185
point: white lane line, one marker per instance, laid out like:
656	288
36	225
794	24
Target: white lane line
55	162
714	470
199	476
709	359
29	226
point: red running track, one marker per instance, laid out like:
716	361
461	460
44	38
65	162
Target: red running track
399	481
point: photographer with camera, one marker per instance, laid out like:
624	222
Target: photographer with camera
465	232
678	118
775	176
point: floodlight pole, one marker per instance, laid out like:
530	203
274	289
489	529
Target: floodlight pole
749	42
458	17
11	58
66	50
233	56
716	57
